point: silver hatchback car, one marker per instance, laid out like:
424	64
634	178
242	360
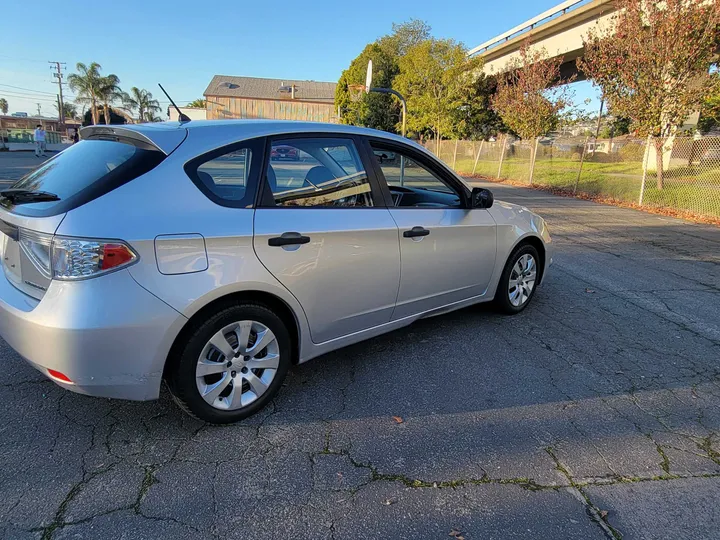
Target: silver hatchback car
183	252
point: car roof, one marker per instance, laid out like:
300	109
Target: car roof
247	129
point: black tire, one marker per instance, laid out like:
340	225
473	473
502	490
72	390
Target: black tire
181	375
502	299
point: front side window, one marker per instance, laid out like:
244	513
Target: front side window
411	183
317	172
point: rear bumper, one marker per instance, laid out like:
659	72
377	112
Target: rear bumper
108	335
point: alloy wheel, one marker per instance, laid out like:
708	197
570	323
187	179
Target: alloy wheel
237	365
522	280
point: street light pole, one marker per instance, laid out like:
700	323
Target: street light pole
402	101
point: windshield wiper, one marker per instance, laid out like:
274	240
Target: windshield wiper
20	196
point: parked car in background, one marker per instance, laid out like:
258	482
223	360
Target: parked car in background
186	253
285	152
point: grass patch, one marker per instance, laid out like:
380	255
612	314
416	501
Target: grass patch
687	188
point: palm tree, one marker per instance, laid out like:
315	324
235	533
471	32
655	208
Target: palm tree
141	100
86	83
152	117
3	105
197	104
69	110
108	92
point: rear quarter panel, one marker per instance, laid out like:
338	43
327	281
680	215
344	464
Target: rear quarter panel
166	202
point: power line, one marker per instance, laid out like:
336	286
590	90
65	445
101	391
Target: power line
27	89
20	59
28	97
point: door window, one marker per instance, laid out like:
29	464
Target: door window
317	172
411	183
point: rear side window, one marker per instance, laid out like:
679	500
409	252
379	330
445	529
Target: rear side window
83	172
228	176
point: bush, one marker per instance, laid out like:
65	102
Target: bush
576	156
632	152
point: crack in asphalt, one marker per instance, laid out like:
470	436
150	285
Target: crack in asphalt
677	417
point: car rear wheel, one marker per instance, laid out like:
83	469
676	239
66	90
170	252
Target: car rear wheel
518	280
231	365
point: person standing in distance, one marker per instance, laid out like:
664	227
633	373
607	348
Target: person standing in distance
39	141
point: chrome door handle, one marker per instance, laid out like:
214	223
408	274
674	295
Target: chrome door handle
416	231
288	239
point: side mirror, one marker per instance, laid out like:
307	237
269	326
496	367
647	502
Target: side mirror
481	198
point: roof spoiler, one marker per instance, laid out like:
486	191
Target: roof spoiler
143	136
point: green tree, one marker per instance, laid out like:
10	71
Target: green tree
436	76
3	105
652	64
69	110
528	96
710	111
620	126
109	92
150	116
115	116
86	83
475	118
197	103
142	101
379	111
404	36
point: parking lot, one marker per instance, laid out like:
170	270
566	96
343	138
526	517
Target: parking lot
593	414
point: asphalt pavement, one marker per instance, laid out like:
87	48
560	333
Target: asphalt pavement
593	414
13	165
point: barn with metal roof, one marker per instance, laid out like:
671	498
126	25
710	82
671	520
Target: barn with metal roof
280	99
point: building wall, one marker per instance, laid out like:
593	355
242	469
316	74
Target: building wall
29	122
232	107
192	113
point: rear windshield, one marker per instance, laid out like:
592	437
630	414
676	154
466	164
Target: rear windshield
83	172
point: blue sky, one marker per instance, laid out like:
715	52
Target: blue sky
182	44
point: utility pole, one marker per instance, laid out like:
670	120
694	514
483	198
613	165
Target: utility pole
38	107
58	74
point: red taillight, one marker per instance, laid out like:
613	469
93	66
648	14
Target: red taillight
82	258
59	376
115	255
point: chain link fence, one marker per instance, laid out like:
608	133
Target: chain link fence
622	168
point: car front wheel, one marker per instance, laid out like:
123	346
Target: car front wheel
232	364
518	281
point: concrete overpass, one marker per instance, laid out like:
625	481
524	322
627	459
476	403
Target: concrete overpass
560	30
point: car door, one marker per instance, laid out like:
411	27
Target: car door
321	228
447	250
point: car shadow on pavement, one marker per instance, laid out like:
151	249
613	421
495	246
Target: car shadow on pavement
607	383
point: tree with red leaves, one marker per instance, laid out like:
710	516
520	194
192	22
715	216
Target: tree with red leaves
529	96
652	63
